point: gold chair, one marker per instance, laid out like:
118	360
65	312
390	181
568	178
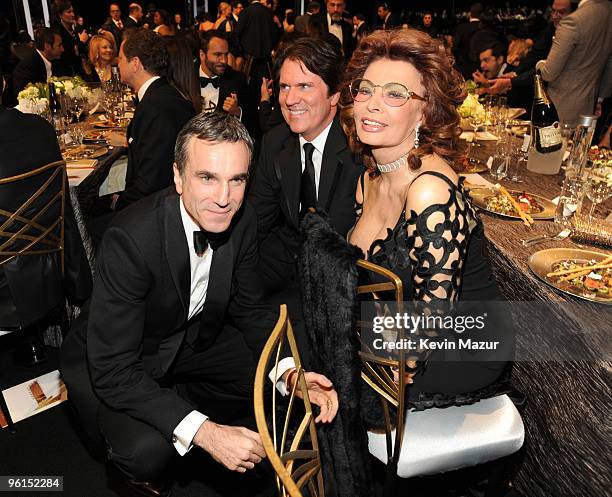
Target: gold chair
296	462
440	439
377	371
33	228
32	254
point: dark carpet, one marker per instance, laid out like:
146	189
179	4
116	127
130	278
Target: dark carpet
48	444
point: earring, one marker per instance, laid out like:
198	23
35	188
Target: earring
416	135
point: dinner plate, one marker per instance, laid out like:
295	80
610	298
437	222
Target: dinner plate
119	123
541	263
95	134
84	152
480	197
514	112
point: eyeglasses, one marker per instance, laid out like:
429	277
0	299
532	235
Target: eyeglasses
393	94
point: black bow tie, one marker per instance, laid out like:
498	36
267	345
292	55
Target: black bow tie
339	23
209	81
203	239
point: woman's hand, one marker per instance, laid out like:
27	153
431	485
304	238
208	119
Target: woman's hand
320	391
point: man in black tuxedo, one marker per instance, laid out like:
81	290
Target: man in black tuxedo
461	44
36	66
304	162
168	369
221	87
333	22
256	31
32	285
388	19
114	23
159	116
134	19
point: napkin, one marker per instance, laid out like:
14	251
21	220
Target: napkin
568	209
479	135
476	180
82	164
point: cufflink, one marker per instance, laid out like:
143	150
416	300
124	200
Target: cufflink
174	439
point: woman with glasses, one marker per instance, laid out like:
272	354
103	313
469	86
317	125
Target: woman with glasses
414	215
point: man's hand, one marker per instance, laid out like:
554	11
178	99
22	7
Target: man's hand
500	85
265	89
117	139
231	105
480	78
321	392
236	448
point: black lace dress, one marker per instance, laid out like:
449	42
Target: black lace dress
452	377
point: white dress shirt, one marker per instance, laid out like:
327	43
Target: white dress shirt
210	94
317	154
46	62
335	29
200	274
143	89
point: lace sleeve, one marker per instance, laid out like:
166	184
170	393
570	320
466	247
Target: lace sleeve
438	230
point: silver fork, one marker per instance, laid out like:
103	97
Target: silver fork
538	239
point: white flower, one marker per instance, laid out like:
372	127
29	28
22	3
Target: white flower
68	85
28	93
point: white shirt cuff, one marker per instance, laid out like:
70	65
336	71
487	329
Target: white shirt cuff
277	373
185	431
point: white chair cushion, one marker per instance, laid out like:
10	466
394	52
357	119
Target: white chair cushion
439	440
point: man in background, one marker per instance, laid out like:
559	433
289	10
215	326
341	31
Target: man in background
36	67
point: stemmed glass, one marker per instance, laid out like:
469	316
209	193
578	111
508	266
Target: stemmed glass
597	189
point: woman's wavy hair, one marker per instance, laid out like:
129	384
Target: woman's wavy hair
94	47
444	91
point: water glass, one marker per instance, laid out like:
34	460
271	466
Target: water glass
499	166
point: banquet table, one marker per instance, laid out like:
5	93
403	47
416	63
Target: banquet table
567	421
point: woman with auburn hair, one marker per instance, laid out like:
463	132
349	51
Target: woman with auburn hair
414	216
101	58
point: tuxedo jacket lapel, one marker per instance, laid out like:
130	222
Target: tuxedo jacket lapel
177	250
288	166
331	165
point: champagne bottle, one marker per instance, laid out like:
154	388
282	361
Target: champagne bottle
544	120
54	104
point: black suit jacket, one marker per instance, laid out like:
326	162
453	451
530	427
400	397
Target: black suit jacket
109	25
275	193
348	42
131	23
32	285
158	118
256	31
31	69
461	48
140	303
394	21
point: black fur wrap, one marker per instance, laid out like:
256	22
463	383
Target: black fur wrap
328	277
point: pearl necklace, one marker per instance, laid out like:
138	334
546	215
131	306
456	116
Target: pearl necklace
393	166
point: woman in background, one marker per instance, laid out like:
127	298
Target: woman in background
102	57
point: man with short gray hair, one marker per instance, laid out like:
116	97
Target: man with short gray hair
168	371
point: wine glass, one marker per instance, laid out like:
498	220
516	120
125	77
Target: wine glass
598	189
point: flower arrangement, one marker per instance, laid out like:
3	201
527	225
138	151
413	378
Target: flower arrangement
471	107
34	98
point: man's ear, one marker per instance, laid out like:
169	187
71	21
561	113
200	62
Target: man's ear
178	179
335	98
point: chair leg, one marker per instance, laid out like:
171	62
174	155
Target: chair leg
390	480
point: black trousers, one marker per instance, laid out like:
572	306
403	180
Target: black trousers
218	381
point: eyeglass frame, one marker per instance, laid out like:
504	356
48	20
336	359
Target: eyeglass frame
410	93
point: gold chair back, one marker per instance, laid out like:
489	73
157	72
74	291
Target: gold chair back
378	372
297	462
36	226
